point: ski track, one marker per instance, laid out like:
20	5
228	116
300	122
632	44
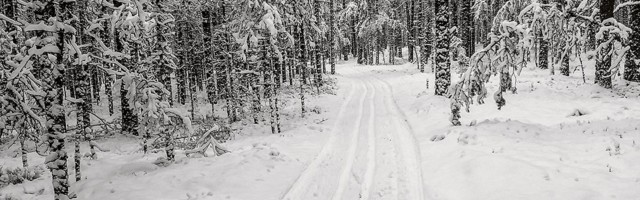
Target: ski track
371	151
411	182
353	146
391	160
305	177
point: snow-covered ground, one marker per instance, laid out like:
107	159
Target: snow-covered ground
385	136
534	148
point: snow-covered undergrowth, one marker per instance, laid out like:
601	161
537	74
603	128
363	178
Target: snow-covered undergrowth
260	165
558	138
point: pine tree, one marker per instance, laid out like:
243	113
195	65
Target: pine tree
442	62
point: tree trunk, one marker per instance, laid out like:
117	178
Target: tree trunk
318	46
95	85
108	85
229	90
169	146
54	100
564	66
603	63
442	62
354	40
129	119
83	89
23	149
543	51
426	39
466	27
453	24
411	32
632	64
332	34
107	78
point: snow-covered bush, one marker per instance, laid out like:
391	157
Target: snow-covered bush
157	117
19	175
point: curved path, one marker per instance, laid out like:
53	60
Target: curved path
371	153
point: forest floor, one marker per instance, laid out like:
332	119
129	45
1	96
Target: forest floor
384	135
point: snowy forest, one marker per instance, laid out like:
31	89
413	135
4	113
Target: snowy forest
319	99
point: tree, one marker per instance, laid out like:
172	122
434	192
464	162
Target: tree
442	62
53	102
632	65
83	90
332	33
425	20
467	28
605	39
122	41
410	14
543	51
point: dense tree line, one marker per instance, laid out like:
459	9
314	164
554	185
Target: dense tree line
60	57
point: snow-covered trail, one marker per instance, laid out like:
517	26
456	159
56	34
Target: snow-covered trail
371	154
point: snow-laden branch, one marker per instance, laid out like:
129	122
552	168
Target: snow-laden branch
625	4
11	21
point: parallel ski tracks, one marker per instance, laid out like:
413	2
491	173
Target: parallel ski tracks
391	160
297	190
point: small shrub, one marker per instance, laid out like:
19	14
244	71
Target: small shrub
19	175
316	110
578	112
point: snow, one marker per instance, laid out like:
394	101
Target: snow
532	148
386	136
259	166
